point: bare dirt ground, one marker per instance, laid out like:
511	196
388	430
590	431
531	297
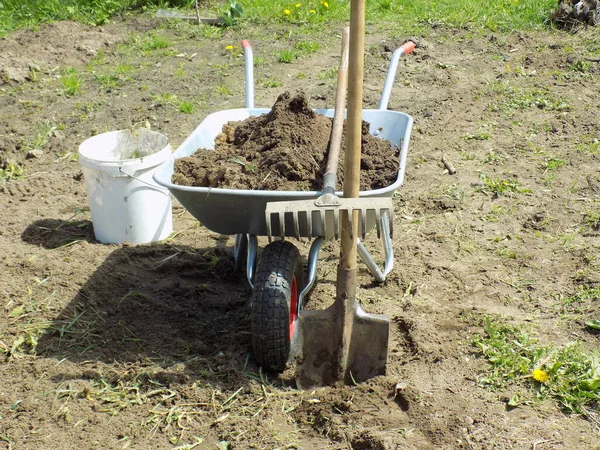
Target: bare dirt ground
116	346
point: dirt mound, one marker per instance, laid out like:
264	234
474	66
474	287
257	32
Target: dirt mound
283	150
571	13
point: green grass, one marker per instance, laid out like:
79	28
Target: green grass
71	81
566	373
499	186
501	15
510	99
182	105
11	171
592	147
286	56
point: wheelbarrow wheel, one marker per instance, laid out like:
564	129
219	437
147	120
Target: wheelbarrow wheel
278	281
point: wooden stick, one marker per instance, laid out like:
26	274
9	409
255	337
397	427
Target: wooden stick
448	164
348	250
337	127
197	11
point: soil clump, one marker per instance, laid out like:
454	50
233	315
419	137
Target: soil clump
286	150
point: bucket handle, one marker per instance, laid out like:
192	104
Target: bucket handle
162	190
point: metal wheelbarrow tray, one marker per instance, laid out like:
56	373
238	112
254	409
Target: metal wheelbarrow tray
236	211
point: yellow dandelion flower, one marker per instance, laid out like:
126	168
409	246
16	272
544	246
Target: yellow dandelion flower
298	5
312	11
286	12
229	47
540	375
326	5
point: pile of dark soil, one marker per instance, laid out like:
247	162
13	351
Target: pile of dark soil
283	150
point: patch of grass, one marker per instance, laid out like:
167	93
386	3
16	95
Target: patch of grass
495	213
307	47
506	252
328	74
271	83
153	42
550	167
223	89
503	15
106	80
71	81
500	186
493	157
581	301
43	134
592	219
510	99
592	147
110	81
480	135
567	373
186	107
183	106
286	56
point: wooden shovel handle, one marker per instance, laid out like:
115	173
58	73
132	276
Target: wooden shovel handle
337	128
348	252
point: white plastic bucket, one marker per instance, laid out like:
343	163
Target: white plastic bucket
125	203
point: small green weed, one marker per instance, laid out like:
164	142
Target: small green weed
272	83
567	374
245	167
328	74
223	89
493	157
183	106
581	66
186	107
495	213
506	252
232	14
553	164
287	56
591	147
11	171
107	81
581	301
71	81
499	186
153	42
43	134
592	219
550	167
307	47
511	99
479	136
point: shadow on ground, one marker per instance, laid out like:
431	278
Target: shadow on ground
158	304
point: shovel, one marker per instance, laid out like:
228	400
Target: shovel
344	343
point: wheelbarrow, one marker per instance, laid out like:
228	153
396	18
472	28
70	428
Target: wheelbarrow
276	275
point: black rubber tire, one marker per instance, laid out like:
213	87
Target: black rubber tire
279	267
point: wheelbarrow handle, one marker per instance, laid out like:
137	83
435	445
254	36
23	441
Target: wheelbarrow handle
249	81
391	73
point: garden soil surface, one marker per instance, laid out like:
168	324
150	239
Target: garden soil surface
149	346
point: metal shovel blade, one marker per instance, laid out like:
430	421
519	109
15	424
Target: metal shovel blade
340	343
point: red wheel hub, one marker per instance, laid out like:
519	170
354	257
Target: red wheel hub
293	308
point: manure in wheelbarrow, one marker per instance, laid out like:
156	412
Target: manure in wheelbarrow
283	150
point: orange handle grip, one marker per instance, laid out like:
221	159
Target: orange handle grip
246	44
408	47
